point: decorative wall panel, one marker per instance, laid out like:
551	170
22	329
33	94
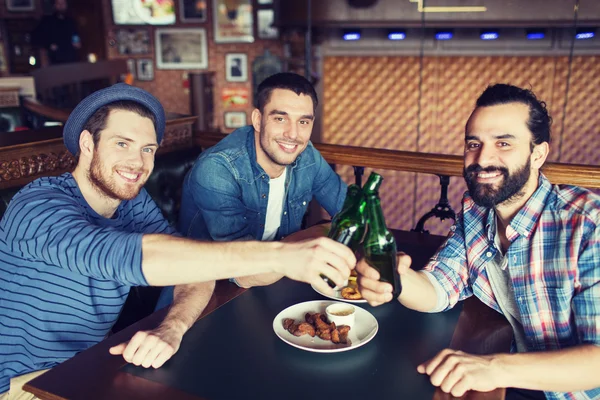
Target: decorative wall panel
374	101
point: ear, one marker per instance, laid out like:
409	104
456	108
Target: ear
256	118
86	144
539	155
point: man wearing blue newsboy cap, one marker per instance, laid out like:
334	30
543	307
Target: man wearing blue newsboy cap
71	247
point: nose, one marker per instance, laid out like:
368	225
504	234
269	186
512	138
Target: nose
486	156
291	132
135	159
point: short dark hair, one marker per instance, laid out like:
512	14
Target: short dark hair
288	81
539	121
97	122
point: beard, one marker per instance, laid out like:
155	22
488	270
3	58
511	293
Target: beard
278	159
510	189
106	185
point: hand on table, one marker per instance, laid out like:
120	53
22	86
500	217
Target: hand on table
375	292
456	372
150	348
307	260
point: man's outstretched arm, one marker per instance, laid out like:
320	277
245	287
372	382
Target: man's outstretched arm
154	347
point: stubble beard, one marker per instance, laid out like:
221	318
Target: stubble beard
106	186
264	145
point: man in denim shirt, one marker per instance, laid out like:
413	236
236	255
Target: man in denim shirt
256	183
527	249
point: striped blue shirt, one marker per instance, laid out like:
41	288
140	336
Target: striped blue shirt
65	272
553	262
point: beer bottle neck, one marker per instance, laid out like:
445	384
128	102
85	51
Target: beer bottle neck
375	213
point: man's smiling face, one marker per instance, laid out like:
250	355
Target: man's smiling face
123	158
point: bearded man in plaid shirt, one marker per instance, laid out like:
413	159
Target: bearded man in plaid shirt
526	248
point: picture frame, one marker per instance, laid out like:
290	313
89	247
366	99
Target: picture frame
132	41
235	97
233	21
234	119
143	12
131	67
20	5
145	69
192	11
236	67
181	48
265	19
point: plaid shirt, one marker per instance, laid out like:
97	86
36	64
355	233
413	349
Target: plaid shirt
554	264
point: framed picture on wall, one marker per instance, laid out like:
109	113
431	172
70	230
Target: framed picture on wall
233	21
236	67
20	5
181	48
235	119
192	10
132	41
143	12
266	30
131	67
145	69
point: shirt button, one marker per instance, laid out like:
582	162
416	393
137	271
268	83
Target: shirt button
514	259
264	196
285	213
303	203
263	176
488	254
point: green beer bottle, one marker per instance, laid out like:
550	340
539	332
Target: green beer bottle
379	244
348	226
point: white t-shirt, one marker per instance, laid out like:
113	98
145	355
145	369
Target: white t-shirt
274	206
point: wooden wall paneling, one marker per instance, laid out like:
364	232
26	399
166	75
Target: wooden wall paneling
581	137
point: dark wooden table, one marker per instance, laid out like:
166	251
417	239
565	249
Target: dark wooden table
233	344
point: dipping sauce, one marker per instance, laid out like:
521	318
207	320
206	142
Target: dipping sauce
342	313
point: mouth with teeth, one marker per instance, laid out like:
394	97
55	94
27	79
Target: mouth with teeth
129	177
288	147
487	177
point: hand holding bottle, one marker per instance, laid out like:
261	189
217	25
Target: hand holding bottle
371	289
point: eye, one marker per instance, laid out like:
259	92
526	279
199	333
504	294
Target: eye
149	150
472	145
305	122
503	144
279	119
121	144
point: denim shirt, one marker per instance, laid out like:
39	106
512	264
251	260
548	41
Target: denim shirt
225	194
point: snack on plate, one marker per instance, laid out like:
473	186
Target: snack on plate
316	324
351	292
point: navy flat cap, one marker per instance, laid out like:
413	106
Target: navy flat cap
119	92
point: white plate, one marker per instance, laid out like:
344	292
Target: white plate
337	295
365	328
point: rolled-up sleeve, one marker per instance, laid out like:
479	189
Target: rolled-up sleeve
449	266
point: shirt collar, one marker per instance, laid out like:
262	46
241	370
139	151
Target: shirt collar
526	219
528	216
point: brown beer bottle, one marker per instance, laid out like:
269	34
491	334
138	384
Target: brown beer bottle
379	244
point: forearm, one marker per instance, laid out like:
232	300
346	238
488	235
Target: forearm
417	292
568	370
203	261
189	301
258	280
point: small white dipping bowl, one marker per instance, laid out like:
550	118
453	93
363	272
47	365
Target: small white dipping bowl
341	314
